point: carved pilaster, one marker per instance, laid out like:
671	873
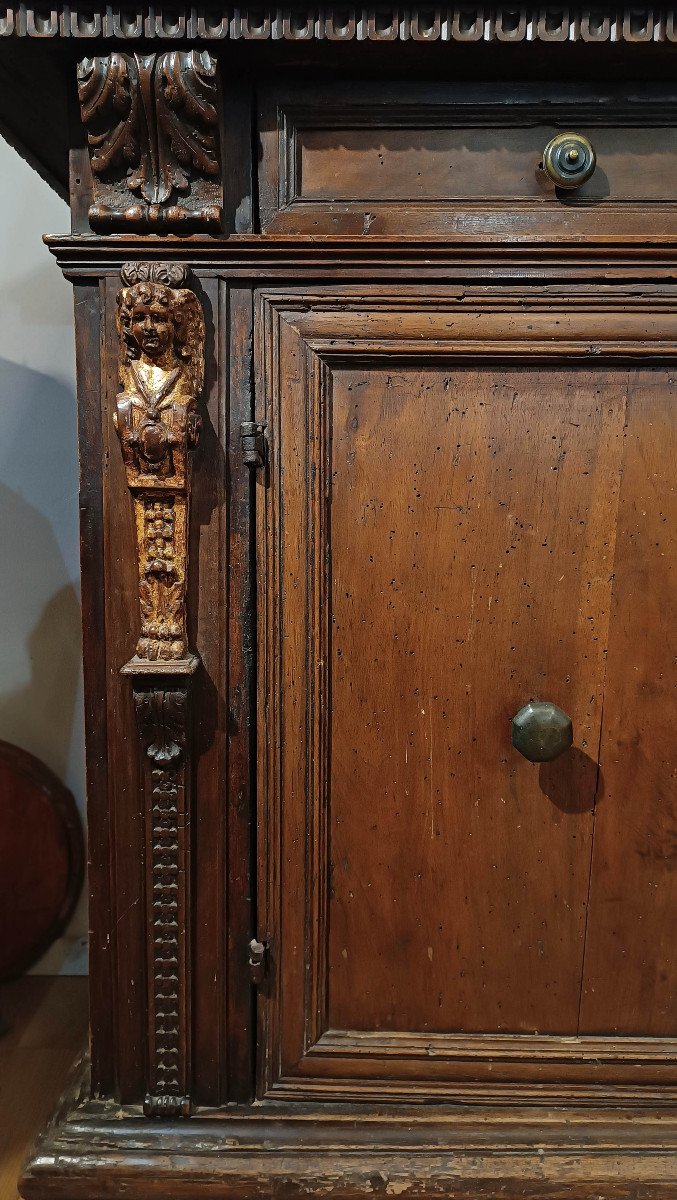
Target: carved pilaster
161	330
152	125
163	717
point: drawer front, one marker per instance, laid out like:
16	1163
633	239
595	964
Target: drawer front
426	161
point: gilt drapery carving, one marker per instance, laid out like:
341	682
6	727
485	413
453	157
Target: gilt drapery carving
152	125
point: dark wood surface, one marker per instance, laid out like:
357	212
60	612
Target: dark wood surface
464	501
466	1154
421	158
102	948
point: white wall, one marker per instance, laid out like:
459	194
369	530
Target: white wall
40	671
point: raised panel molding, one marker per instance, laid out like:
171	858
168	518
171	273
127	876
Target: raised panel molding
302	339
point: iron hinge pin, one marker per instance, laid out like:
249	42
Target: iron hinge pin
253	443
258	961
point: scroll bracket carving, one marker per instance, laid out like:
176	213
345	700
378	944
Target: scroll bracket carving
152	124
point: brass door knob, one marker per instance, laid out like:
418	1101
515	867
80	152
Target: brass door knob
541	731
569	160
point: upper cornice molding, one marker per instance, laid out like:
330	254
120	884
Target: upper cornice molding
465	23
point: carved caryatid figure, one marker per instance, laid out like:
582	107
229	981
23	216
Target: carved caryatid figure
161	331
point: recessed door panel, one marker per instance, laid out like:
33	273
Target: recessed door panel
472	519
437	546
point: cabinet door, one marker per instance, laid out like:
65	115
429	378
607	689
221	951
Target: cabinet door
437	538
630	976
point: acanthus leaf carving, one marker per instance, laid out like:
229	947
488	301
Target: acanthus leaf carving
187	117
162	723
109	108
152	125
172	274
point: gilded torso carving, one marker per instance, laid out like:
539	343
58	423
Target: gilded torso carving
161	371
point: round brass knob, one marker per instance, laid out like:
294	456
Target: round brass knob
569	160
541	731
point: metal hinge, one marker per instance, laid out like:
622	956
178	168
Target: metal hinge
258	961
253	443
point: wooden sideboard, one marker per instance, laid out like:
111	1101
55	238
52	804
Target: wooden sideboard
376	321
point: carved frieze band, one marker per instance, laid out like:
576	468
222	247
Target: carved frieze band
597	23
161	330
162	713
152	125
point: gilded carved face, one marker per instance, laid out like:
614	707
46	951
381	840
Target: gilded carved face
149	318
152	327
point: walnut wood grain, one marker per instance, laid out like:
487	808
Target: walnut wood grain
404	531
537	1154
533	341
130	1020
374	159
633	895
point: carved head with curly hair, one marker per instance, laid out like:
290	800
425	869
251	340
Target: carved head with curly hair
153	323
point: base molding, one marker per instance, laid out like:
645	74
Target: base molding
96	1149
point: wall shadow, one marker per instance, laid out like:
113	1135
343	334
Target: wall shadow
38	715
40	629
